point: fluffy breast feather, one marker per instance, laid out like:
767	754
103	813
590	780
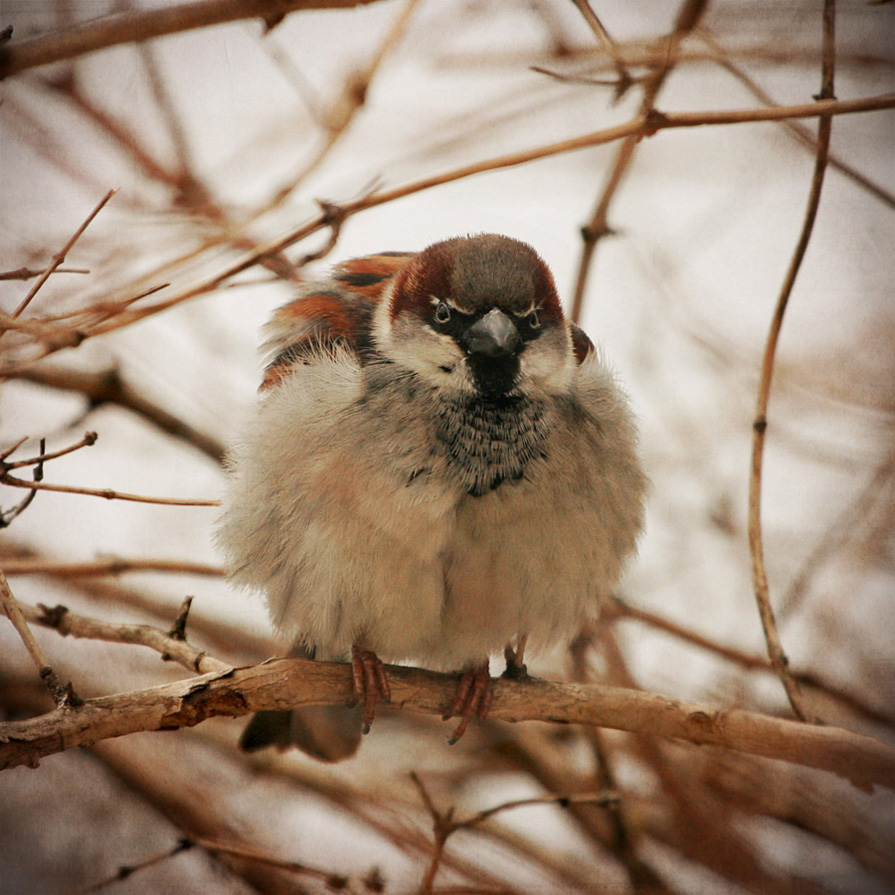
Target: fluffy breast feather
359	529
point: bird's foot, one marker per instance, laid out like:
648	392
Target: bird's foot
370	682
516	669
473	698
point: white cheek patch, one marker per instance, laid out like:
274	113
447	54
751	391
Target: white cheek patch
411	343
548	362
418	347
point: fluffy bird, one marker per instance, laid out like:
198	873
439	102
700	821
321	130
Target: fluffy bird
441	466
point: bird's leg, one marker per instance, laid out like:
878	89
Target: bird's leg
516	670
473	698
370	682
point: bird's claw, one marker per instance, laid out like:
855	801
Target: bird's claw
473	699
370	682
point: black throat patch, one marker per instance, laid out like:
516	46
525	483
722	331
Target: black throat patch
494	377
489	441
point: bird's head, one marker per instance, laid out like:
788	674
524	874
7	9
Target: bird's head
478	315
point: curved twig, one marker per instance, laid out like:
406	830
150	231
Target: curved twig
759	426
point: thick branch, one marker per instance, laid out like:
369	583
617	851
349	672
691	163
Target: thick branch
109	387
143	24
284	683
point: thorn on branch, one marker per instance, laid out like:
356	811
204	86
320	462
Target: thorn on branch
654	121
620	85
126	870
178	629
374	881
271	20
591	234
7	517
333	217
624	83
63	694
178	632
71	699
54	617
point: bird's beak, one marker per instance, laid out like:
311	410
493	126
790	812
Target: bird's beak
494	335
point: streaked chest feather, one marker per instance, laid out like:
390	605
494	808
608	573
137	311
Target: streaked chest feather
487	443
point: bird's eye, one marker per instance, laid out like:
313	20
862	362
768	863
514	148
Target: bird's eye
533	320
442	312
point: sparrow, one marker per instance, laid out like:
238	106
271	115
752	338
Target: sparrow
441	466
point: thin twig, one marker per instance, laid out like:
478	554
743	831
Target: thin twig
598	225
798	130
165	105
125	871
63	695
759	427
111	566
442	827
171	648
106	493
26	273
619	609
334	881
190	190
842	529
623	79
88	440
602	798
342	112
12	448
623	837
59	257
641	125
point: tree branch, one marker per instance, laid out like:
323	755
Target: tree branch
139	25
286	683
172	648
761	587
598	226
59	257
114	565
110	387
56	337
106	493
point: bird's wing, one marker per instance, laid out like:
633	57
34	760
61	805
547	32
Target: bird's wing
331	313
581	344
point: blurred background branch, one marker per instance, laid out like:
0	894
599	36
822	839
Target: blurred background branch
249	140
